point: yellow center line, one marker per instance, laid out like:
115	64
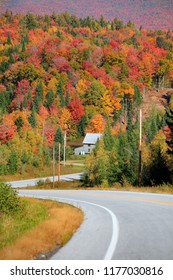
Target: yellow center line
127	198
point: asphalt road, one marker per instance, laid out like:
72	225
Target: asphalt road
117	225
33	182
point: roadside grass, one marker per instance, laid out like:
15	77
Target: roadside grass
44	171
40	228
162	189
79	185
76	185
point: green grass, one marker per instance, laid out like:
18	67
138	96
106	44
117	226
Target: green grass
13	226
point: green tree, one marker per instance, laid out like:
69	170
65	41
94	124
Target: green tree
97	165
82	126
50	98
60	91
108	138
13	163
59	136
169	122
94	93
32	118
19	123
9	199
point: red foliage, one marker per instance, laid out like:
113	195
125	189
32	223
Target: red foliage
53	110
43	112
50	135
22	89
7	132
61	64
76	109
168	133
2	88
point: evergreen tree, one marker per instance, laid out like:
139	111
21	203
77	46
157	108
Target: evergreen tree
50	98
37	102
32	118
25	103
60	92
82	126
67	99
40	89
13	163
59	136
23	46
137	96
9	41
19	123
108	138
169	122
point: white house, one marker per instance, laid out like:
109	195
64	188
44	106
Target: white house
89	143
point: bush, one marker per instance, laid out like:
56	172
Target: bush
40	182
9	200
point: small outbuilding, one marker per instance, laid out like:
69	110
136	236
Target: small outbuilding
89	143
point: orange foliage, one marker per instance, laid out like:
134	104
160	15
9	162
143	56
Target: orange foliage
97	124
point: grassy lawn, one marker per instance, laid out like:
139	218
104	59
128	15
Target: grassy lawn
39	228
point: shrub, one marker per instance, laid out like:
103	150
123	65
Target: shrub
40	182
9	200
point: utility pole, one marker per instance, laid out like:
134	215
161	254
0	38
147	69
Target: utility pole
65	140
140	150
59	159
53	161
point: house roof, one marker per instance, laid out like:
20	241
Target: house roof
91	138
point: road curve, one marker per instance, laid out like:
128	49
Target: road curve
117	225
33	182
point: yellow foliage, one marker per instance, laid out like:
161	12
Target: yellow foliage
52	84
107	104
126	89
65	119
81	87
97	124
52	30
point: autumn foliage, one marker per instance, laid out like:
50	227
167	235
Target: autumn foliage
75	74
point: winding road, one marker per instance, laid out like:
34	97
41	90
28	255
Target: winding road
117	225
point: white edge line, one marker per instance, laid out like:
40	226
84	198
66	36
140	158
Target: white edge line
115	226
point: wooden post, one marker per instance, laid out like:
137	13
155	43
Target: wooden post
64	145
53	166
140	151
59	159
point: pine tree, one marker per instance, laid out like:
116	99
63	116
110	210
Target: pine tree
60	92
25	104
50	98
9	41
82	126
169	122
19	123
59	136
12	163
108	138
32	118
137	96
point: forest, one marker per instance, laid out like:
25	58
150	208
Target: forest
60	73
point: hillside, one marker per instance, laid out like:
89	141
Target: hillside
60	74
150	14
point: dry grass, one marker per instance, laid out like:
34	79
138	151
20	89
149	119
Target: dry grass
39	172
63	220
163	189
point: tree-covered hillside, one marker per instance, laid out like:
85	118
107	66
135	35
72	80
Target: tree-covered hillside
151	14
62	73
